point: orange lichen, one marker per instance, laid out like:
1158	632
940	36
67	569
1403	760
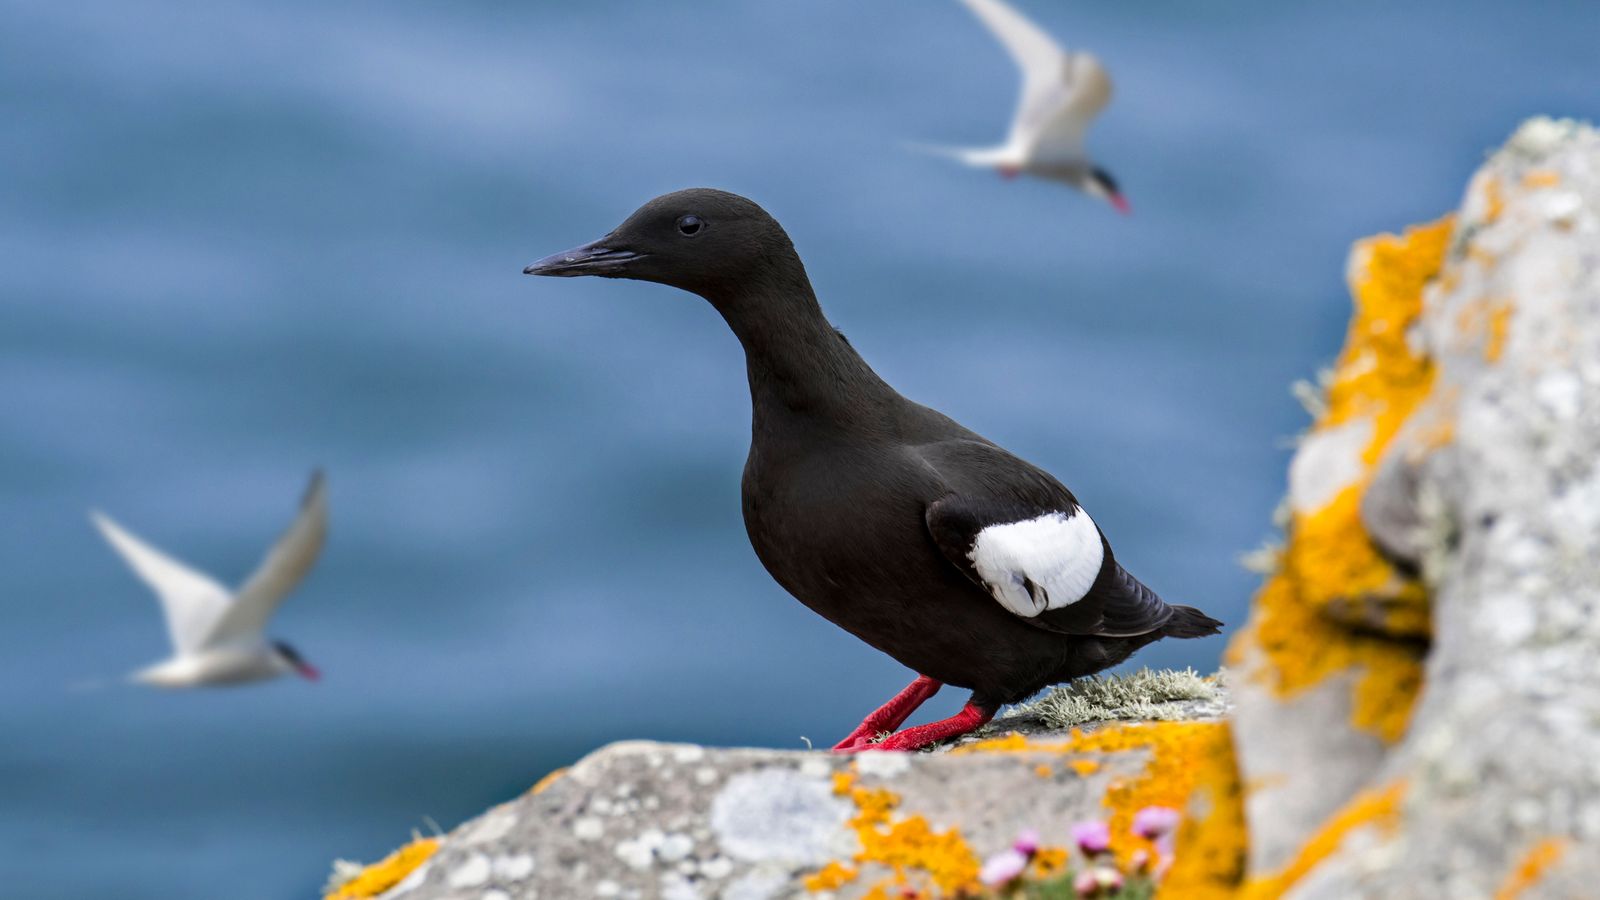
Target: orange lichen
843	782
1303	647
1538	860
1043	771
1084	767
1493	201
1499	330
1212	839
387	872
1378	808
911	847
916	853
1050	861
1334	601
831	877
545	782
1189	766
1541	178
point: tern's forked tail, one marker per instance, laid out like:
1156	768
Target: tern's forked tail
978	157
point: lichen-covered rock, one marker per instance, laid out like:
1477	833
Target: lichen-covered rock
648	820
1330	662
1418	700
1499	771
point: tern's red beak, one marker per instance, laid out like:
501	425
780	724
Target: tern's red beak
1121	203
308	671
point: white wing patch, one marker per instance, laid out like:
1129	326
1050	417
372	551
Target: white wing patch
1059	554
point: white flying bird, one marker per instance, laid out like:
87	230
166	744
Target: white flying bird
218	636
1062	92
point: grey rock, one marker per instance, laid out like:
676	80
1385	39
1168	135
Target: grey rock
680	821
1503	753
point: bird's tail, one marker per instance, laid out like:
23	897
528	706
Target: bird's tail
978	157
1188	622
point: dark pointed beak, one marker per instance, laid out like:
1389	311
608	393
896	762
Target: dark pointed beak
594	258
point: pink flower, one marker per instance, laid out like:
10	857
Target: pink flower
1085	884
1154	822
1140	860
1003	868
1093	837
1027	842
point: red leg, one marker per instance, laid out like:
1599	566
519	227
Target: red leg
970	718
889	716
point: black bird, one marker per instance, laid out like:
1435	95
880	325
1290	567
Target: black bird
965	563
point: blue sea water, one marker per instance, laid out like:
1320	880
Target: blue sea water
241	240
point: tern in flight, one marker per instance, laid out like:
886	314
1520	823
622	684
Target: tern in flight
219	636
1062	92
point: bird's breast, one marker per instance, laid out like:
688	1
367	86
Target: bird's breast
839	529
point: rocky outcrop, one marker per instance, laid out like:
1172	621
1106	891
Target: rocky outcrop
1415	700
1418	691
646	820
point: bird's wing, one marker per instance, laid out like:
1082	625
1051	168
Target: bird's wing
1058	122
280	571
1061	91
1023	538
192	601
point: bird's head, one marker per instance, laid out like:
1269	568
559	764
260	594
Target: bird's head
291	661
1097	182
701	240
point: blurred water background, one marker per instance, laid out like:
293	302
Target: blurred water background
244	239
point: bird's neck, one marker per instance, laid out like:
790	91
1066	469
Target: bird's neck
801	369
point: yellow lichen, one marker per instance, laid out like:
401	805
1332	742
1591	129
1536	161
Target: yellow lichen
1043	771
545	782
387	872
1538	860
1370	809
918	855
1334	602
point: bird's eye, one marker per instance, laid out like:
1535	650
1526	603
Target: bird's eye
689	226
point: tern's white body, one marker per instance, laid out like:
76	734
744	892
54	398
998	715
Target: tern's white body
219	636
1062	93
220	665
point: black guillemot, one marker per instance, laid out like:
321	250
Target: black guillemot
967	564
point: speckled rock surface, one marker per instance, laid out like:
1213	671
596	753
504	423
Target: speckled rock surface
1500	767
680	821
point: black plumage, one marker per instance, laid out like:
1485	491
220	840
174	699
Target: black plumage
869	508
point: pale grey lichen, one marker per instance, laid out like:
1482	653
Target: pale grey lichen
344	872
1148	694
778	814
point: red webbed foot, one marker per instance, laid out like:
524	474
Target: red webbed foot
891	715
969	719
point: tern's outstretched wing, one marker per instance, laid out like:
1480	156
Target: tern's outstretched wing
192	601
1061	91
280	572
